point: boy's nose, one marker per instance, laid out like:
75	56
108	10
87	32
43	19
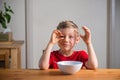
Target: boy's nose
66	38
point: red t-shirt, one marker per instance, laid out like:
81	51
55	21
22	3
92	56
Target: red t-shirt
55	56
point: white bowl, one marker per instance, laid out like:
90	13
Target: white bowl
69	67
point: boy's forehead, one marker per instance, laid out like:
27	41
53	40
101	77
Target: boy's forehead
69	30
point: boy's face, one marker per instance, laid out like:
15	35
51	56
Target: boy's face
68	40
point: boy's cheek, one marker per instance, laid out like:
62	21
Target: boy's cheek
59	42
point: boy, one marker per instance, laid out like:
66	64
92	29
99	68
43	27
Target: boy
67	35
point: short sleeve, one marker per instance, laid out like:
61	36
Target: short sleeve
83	57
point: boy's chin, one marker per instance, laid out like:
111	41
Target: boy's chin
66	49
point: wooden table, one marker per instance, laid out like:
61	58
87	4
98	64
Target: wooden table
14	49
55	74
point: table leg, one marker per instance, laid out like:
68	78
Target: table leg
7	64
4	56
15	58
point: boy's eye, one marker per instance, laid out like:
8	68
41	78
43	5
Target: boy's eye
61	36
71	36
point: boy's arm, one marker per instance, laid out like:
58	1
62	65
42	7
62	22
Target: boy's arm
92	62
44	60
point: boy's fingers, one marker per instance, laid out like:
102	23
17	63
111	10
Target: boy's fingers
86	29
81	35
58	34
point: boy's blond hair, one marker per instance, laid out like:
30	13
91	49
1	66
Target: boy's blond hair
67	24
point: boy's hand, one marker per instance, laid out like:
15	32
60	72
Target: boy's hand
87	36
55	37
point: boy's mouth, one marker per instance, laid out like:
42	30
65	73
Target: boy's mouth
66	44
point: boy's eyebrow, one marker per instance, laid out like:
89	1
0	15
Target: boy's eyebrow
76	31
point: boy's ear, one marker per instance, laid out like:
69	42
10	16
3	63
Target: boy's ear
77	39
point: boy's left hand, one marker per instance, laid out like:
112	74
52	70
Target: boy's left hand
87	36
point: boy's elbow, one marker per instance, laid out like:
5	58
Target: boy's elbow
93	66
43	67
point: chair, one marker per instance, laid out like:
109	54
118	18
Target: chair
4	57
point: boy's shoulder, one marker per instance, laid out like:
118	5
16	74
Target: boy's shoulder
55	51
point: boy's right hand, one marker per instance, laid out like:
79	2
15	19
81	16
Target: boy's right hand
55	37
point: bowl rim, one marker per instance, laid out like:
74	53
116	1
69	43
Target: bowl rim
59	62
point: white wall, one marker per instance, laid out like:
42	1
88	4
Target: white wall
44	15
114	49
17	24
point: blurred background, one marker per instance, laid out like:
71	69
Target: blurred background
34	20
